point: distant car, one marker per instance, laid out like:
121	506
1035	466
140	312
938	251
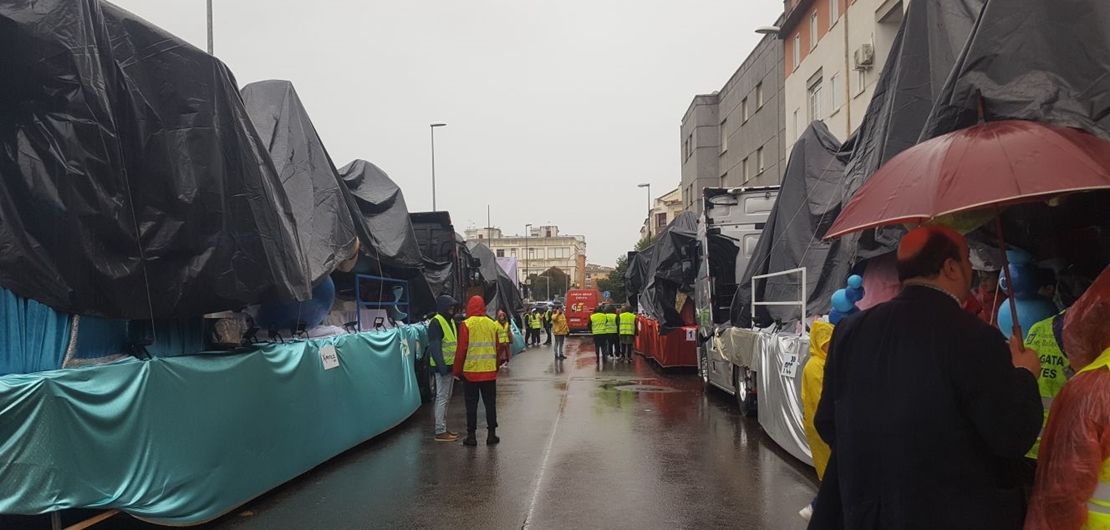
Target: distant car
580	305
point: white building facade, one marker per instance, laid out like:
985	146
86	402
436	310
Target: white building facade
542	248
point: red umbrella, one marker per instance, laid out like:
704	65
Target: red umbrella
986	166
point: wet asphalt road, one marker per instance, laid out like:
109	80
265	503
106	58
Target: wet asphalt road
610	447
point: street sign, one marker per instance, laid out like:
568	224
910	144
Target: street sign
605	294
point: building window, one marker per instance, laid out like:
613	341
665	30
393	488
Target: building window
531	253
479	237
797	51
837	91
815	100
548	232
834	11
661	220
744	109
500	252
744	169
759	160
759	96
813	30
861	81
512	252
724	136
685	150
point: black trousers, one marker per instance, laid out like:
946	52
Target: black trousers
547	330
599	344
487	390
533	336
614	344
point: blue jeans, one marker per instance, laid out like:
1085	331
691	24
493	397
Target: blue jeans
560	341
444	385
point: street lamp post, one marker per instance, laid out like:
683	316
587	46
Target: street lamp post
209	27
433	128
650	220
527	229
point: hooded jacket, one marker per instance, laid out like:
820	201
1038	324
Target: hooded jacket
477	307
435	333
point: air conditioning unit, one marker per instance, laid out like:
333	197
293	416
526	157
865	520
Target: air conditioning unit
865	57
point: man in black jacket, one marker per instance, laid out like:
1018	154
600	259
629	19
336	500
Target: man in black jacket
927	411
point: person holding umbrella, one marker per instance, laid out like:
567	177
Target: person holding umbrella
927	411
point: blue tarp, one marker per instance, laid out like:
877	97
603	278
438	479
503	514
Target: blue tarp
182	440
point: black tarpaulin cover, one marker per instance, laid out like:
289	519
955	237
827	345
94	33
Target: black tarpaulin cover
1032	60
132	183
382	218
502	293
325	229
636	275
671	270
808	202
924	51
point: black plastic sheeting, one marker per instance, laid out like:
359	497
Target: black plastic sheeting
1031	60
635	277
808	202
389	246
923	54
672	269
502	293
326	230
132	182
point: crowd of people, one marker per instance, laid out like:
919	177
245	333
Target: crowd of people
926	416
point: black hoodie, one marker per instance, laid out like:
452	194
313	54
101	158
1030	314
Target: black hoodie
435	332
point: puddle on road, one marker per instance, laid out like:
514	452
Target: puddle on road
644	388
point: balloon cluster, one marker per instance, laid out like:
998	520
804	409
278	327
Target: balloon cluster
844	300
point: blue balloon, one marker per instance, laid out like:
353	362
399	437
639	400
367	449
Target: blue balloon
835	316
855	294
841	302
855	281
312	312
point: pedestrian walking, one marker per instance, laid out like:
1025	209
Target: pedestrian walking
547	326
477	368
561	329
505	340
442	343
927	411
612	331
597	331
627	323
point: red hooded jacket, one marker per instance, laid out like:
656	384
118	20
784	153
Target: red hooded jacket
475	307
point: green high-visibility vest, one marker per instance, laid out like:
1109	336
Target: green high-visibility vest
627	323
450	340
611	324
597	323
1042	340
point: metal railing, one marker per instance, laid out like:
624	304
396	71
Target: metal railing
401	304
803	292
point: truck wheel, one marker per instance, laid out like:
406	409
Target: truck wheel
745	392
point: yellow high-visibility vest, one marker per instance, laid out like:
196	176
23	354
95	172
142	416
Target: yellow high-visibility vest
535	321
450	341
503	333
481	346
1042	340
597	323
627	323
611	324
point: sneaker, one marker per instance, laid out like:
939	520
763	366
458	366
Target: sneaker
470	441
492	439
446	437
806	513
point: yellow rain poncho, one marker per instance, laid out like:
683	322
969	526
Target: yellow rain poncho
813	378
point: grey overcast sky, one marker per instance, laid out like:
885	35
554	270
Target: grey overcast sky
555	110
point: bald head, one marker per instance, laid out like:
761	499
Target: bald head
924	252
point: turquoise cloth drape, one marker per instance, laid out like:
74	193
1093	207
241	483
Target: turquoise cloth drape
181	440
33	337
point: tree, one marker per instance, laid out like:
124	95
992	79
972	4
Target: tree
615	282
645	242
550	283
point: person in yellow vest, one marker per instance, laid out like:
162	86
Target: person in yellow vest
442	341
561	329
612	332
476	366
505	336
1072	490
535	323
547	327
627	330
1045	338
813	379
597	330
